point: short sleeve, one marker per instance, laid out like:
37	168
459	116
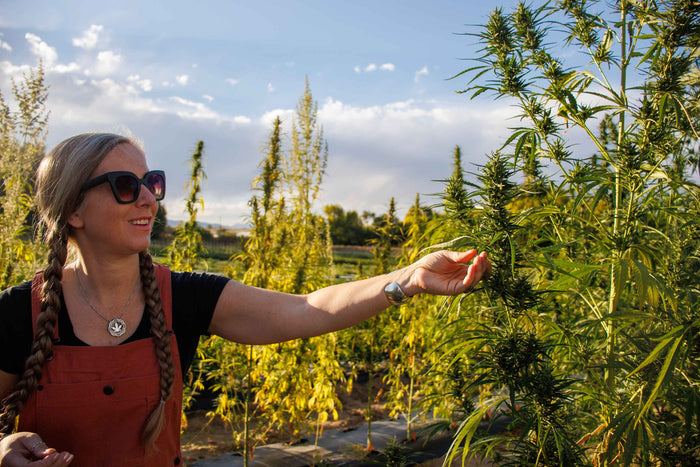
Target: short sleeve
16	332
194	296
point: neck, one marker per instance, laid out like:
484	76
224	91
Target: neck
107	278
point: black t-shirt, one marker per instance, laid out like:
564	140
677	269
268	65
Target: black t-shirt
194	299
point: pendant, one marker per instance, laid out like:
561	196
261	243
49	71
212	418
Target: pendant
116	327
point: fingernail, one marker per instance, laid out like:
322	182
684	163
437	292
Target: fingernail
68	457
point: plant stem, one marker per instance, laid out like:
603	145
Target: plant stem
246	422
610	373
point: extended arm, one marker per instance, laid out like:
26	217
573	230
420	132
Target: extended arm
256	316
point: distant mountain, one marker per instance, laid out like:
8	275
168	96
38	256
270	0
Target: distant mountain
206	225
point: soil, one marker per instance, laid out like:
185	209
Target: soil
204	438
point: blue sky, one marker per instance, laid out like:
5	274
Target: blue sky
175	72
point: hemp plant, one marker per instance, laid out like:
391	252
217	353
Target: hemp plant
289	251
22	137
231	367
501	363
414	326
184	253
607	226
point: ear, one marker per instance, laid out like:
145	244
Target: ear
76	219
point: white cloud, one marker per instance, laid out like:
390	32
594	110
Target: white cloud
8	70
411	142
4	45
422	72
270	88
193	110
89	38
107	62
232	81
72	67
182	79
190	110
208	97
286	115
41	49
373	67
144	84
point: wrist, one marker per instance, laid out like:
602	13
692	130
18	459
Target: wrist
399	287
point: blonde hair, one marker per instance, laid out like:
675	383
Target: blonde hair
60	177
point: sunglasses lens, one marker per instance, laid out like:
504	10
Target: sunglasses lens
126	187
156	184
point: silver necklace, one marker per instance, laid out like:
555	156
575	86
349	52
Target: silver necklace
115	326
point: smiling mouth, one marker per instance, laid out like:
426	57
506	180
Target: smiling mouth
140	221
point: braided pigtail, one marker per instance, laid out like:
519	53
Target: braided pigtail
42	346
159	328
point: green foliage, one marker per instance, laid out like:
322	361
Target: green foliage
346	228
186	248
586	341
296	399
22	136
288	386
415	326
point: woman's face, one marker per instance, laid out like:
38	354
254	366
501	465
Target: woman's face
100	225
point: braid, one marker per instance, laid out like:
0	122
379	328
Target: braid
154	306
42	346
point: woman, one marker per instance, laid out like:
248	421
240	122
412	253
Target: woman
92	351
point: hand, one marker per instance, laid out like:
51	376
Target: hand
28	450
448	272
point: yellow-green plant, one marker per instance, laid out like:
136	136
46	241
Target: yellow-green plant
185	251
414	325
22	137
300	376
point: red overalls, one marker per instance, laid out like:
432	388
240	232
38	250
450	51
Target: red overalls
94	401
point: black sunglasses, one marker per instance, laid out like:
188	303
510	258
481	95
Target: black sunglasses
126	186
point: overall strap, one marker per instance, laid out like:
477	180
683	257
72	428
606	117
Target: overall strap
165	287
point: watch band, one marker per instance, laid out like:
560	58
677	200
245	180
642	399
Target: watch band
395	295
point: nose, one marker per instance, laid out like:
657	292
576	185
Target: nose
145	195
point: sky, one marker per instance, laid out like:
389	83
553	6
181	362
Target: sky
175	72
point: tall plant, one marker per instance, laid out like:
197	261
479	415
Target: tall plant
22	138
185	251
602	227
414	325
299	260
230	366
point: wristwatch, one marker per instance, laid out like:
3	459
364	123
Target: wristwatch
395	295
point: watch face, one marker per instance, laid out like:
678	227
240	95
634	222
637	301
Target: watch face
394	294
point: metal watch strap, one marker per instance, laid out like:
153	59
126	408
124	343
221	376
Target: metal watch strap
395	295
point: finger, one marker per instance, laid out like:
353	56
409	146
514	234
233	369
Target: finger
54	459
471	278
476	271
463	256
457	257
36	447
484	266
